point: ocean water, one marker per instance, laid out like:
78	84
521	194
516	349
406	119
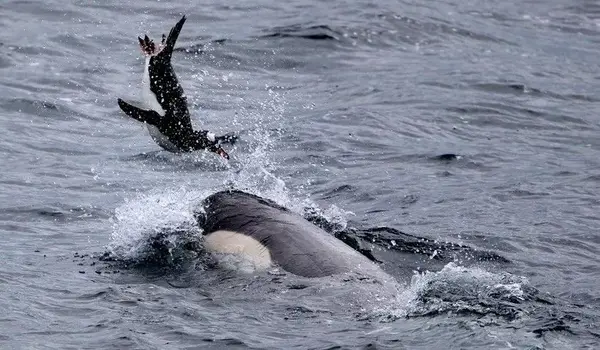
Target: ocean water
345	111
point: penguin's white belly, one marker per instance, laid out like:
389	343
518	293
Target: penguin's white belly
161	139
148	96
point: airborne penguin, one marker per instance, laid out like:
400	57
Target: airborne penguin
166	114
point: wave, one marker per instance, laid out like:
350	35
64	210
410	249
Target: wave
316	32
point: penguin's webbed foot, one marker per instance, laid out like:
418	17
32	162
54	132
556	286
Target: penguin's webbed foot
148	47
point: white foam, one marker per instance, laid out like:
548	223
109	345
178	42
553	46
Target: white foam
151	213
469	278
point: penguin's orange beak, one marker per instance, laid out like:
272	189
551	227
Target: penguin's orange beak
222	153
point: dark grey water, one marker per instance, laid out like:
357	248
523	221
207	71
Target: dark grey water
342	107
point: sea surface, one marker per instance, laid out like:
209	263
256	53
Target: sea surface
466	123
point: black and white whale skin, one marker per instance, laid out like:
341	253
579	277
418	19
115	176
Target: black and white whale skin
266	234
166	111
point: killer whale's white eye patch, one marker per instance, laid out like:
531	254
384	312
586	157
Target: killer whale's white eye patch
244	247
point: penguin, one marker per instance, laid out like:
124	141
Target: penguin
166	112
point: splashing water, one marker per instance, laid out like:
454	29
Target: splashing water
461	290
167	214
151	214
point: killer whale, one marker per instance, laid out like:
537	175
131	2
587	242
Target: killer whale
267	234
166	111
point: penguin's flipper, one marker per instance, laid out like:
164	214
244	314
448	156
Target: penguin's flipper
142	115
